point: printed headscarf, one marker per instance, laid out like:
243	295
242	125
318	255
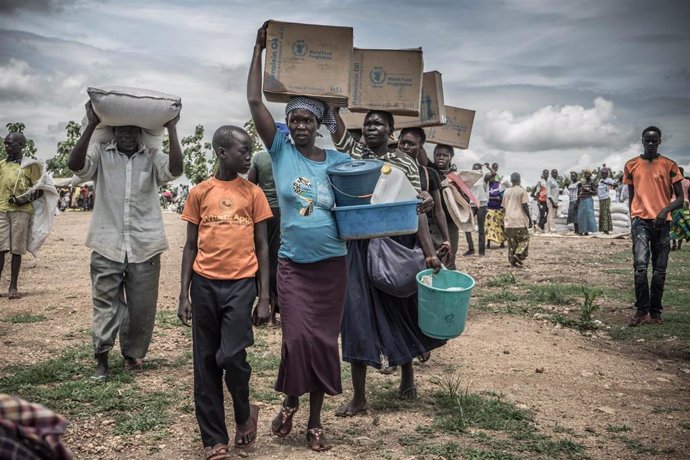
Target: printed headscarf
321	111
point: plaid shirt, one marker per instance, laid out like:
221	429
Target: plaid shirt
395	158
30	431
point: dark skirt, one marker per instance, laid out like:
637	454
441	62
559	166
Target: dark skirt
379	329
572	213
311	298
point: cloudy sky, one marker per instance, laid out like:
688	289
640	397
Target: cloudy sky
561	84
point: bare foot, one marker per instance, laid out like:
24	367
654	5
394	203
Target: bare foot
13	293
352	408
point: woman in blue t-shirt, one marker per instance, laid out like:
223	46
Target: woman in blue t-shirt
312	274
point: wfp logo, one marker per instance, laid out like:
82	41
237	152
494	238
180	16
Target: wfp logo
300	48
377	75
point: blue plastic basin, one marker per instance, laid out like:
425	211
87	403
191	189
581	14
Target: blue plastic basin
376	220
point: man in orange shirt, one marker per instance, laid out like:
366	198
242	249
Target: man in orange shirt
651	177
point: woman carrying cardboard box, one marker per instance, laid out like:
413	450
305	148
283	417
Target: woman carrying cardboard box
380	329
312	275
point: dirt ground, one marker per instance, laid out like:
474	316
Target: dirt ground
584	384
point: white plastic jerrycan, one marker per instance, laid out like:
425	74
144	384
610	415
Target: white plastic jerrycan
392	187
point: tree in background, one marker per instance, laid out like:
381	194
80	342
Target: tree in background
199	161
29	148
58	164
257	145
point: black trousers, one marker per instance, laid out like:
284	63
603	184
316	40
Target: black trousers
543	214
649	239
480	213
221	330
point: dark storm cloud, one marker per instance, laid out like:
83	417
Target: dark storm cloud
37	6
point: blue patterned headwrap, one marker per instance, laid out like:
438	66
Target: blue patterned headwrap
321	111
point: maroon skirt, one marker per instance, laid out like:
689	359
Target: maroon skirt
311	298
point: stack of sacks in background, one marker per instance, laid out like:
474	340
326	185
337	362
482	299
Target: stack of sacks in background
122	106
620	217
561	219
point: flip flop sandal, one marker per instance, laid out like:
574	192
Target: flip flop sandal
424	357
254	416
283	421
219	453
344	411
315	440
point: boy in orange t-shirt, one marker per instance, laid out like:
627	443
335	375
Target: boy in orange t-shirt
651	178
226	246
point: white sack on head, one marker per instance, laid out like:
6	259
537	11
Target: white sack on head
122	106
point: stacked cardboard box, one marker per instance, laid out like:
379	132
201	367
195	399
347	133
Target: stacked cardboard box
388	80
457	130
308	60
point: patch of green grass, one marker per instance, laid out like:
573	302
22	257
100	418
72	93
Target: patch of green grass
636	446
167	319
530	440
452	450
458	411
67	366
64	385
617	428
184	360
264	394
386	398
502	296
562	429
150	414
554	294
25	319
263	362
449	450
506	279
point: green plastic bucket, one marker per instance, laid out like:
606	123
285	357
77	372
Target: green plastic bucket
443	305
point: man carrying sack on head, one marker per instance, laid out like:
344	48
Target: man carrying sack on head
126	235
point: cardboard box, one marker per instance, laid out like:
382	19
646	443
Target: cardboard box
388	80
432	111
457	130
307	60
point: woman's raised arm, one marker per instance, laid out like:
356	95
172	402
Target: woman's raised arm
265	125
